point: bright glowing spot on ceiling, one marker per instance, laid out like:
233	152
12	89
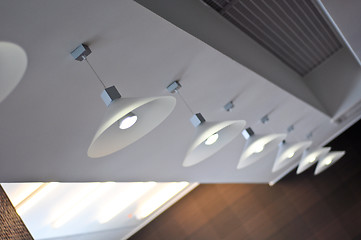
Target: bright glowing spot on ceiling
132	193
35	197
92	194
159	198
24	191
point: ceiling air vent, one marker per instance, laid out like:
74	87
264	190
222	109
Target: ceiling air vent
293	30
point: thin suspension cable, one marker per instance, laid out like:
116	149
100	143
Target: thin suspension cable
94	72
184	101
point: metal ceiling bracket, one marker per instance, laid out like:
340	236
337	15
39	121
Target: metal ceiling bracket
290	128
174	86
229	106
109	95
197	119
265	119
247	133
81	52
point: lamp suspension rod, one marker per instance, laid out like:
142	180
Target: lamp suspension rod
80	54
91	67
174	88
184	101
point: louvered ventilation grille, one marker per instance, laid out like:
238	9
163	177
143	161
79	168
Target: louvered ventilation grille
293	30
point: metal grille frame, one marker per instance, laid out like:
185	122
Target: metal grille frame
293	30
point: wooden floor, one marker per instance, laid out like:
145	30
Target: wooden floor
11	225
303	206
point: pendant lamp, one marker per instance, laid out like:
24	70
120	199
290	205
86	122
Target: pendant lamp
13	63
287	152
328	161
126	119
210	137
258	146
310	157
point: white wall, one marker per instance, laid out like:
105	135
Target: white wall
337	83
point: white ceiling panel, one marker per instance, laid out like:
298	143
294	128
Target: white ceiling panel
49	120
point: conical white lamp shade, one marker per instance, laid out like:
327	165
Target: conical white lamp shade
257	147
13	63
311	157
226	131
328	161
150	112
288	152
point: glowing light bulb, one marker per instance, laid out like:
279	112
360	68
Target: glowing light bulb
328	161
212	139
291	154
127	121
312	160
258	148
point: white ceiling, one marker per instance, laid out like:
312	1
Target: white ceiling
49	120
